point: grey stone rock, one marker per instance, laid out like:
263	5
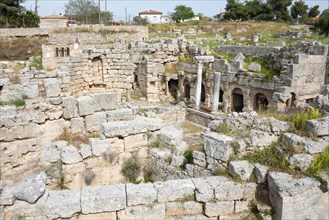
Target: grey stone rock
318	127
204	58
199	158
240	57
171	135
96	199
181	148
32	188
178	161
49	153
106	101
30	90
8	110
93	122
261	138
70	155
229	190
141	194
77	125
309	146
301	161
156	211
174	190
255	67
7	196
86	105
236	65
119	115
52	87
85	150
205	187
218	146
278	126
241	169
62	204
160	155
70	106
324	175
288	197
261	173
98	146
217	208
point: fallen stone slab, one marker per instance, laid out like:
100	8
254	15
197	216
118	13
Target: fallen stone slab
62	204
171	135
318	127
301	161
32	188
261	173
261	138
218	146
96	199
241	169
297	198
309	146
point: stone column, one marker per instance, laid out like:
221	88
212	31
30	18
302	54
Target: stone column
215	95
198	86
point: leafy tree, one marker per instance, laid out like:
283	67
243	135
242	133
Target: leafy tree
85	10
299	9
314	11
10	7
29	19
233	10
182	13
140	21
279	9
323	24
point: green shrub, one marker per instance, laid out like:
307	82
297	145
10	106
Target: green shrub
55	171
150	171
319	163
188	156
131	168
224	129
300	118
37	63
16	102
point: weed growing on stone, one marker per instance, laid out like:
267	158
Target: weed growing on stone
185	59
320	163
131	168
55	172
15	102
300	118
89	176
188	156
37	63
75	139
186	198
224	129
14	79
109	156
150	171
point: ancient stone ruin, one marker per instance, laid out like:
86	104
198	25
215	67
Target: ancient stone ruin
161	129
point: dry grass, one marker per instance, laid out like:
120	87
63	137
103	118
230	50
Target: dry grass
189	127
75	139
20	49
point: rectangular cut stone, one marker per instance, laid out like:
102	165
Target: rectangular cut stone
141	194
119	115
174	190
185	208
99	216
86	105
204	59
218	146
52	87
219	208
70	106
143	212
77	125
106	101
96	199
205	187
62	204
94	122
133	142
227	191
318	127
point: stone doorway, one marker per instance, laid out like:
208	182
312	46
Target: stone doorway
221	93
187	91
260	102
237	102
203	93
173	88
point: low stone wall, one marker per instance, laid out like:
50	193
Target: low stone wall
201	198
199	117
246	50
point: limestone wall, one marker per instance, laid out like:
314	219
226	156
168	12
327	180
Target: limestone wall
247	50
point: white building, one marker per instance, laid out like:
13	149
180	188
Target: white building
152	16
166	19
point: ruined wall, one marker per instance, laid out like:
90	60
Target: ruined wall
246	50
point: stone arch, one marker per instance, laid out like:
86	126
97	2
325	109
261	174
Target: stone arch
237	100
98	77
173	88
260	102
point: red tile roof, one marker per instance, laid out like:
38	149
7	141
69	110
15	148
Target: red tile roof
151	12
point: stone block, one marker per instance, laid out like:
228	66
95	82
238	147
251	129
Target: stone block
49	154
261	138
242	206
133	142
277	126
227	191
7	196
30	90
161	155
177	161
143	212
86	105
52	87
70	154
171	135
181	148
183	208
62	204
85	150
77	125
123	128
318	127
218	146
301	161
94	122
261	173
120	115
96	199
255	67
173	190
205	187
199	158
98	146
241	169
218	208
106	101
99	216
141	194
297	198
310	146
70	106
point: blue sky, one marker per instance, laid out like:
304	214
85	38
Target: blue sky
206	7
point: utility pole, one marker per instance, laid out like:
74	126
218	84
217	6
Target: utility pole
36	7
105	5
126	14
99	11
